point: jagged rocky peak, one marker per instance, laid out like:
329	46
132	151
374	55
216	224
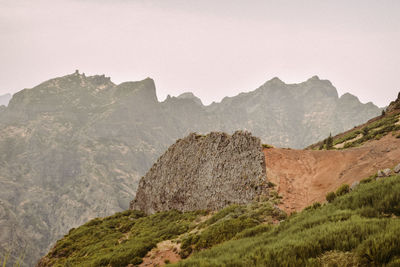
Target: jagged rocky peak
274	83
349	99
314	78
276	80
394	105
317	80
204	172
67	92
317	87
190	95
145	89
310	86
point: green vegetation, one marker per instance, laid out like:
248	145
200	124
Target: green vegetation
329	142
343	189
358	228
5	260
347	137
339	258
331	196
369	179
267	146
235	220
373	131
119	240
126	237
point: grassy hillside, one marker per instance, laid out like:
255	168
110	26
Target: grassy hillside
126	237
360	228
375	129
118	240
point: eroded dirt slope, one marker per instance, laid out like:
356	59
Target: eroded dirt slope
305	176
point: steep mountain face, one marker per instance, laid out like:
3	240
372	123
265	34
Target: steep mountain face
4	99
204	173
293	115
394	105
73	148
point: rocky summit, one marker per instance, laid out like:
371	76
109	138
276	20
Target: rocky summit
394	105
204	172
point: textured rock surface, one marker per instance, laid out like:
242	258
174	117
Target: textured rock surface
394	105
354	185
384	173
387	172
292	115
397	168
204	172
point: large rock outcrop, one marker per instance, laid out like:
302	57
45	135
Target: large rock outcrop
204	172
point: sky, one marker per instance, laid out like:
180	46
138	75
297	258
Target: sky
213	48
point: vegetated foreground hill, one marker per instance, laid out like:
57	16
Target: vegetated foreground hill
73	148
359	228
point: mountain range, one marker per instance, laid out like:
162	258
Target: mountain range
74	148
227	200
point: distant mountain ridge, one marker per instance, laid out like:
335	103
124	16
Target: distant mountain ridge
74	148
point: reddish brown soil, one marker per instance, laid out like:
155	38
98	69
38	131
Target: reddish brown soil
165	251
306	176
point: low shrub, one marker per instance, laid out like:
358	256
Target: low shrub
331	196
119	240
343	189
232	222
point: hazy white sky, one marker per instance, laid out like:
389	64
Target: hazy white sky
213	48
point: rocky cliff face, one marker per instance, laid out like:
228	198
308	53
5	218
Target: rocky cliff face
204	172
394	105
74	148
292	115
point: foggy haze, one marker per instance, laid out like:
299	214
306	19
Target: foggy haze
212	48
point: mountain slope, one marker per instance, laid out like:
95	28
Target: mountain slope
360	228
306	176
293	115
73	148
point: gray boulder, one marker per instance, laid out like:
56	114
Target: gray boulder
397	168
387	172
354	185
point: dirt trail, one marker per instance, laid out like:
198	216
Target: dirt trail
305	176
165	251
